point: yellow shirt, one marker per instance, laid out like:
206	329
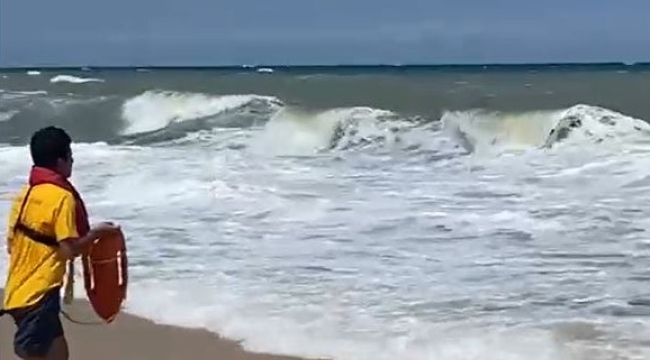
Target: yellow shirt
35	268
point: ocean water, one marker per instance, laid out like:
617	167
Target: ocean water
448	214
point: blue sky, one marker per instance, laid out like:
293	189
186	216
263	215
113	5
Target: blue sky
220	32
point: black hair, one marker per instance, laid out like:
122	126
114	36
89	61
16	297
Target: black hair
49	144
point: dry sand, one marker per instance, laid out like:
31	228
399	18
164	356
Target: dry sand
133	338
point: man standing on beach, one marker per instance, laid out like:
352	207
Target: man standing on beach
48	226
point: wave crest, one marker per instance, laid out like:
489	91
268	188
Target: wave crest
153	112
483	131
585	123
73	79
293	131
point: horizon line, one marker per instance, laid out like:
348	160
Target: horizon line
342	65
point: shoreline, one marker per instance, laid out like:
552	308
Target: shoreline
133	337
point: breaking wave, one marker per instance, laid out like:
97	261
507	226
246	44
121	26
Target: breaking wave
480	131
161	113
293	131
157	116
271	126
73	79
475	131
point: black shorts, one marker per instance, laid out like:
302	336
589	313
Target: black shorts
37	326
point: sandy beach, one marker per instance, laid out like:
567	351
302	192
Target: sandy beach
134	338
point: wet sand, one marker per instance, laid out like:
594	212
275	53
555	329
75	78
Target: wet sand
132	338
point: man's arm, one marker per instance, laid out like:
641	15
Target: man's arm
72	247
10	235
13	214
71	244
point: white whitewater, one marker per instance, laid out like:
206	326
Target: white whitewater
520	243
